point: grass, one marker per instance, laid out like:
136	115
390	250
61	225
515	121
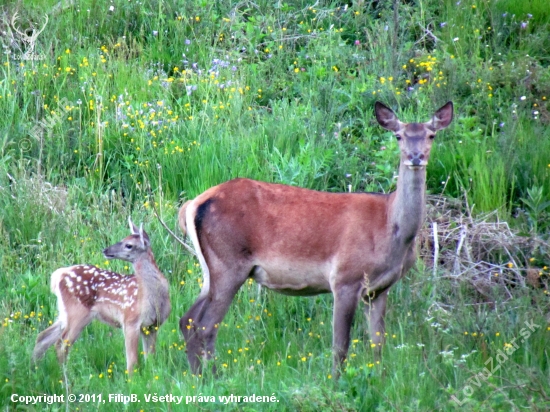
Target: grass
159	101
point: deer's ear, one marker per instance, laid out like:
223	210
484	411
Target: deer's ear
442	118
143	237
133	228
386	117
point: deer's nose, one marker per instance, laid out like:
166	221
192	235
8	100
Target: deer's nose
416	158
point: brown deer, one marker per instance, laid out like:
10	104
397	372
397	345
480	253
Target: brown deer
303	242
137	303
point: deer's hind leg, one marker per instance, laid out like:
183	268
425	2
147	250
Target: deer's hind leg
77	319
200	324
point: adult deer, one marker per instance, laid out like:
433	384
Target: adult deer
137	303
28	36
303	242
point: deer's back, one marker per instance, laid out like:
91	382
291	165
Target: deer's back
109	295
255	217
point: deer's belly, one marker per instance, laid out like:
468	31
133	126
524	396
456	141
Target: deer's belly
293	278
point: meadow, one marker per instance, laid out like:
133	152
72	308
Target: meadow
125	107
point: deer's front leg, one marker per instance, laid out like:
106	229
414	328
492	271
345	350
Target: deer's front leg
149	339
375	311
345	303
131	340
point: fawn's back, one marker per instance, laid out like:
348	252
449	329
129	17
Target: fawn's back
109	296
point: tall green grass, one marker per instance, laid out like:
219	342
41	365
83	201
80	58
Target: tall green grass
168	99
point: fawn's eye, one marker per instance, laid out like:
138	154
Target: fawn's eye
398	137
128	246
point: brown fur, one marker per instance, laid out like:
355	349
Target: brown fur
303	242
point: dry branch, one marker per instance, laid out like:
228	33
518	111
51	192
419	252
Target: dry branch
482	250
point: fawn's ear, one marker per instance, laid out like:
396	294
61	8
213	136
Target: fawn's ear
143	237
386	117
133	228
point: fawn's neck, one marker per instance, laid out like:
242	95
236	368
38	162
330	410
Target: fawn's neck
146	268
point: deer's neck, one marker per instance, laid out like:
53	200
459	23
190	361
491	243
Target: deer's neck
154	289
146	268
408	208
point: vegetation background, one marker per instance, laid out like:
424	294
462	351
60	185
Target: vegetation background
135	104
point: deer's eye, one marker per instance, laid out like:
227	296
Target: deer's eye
128	246
398	137
431	136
